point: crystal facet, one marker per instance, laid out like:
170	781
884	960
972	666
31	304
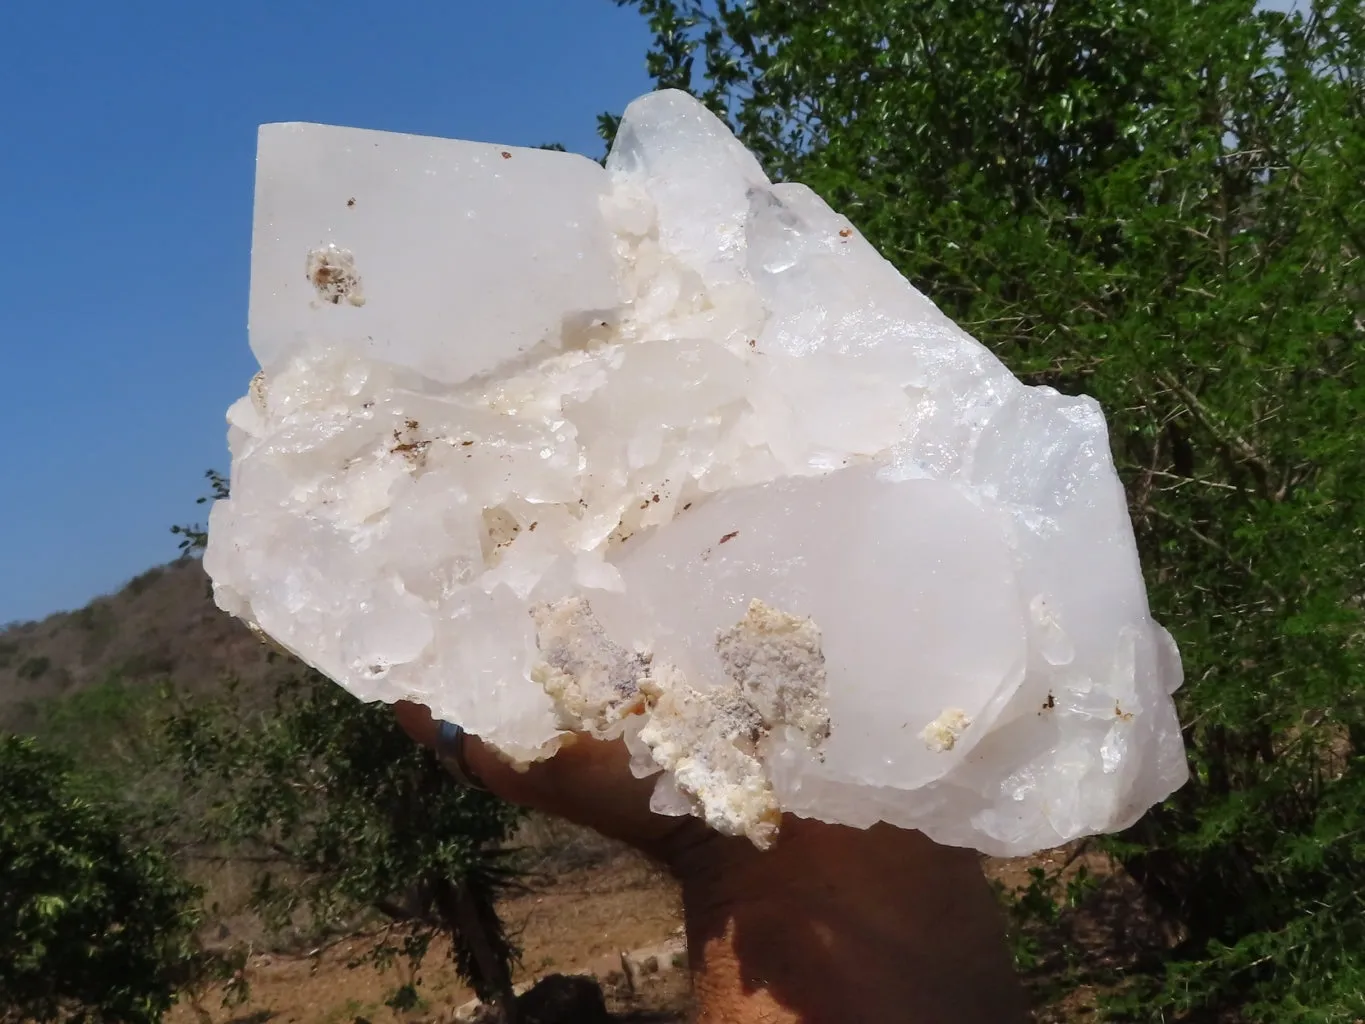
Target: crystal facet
664	451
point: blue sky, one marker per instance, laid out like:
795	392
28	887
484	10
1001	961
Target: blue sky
127	134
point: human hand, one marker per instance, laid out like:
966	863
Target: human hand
830	924
588	782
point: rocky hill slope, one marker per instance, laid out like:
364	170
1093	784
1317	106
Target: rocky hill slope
161	626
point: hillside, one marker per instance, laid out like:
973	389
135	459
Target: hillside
162	625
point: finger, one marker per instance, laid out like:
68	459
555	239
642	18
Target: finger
416	721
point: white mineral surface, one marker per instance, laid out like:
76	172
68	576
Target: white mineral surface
669	452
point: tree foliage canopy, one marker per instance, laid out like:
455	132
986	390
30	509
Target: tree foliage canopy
1160	204
96	923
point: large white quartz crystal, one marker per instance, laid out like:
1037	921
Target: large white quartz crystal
669	452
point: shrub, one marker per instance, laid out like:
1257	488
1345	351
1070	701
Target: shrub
34	668
95	924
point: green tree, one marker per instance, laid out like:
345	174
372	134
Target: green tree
1160	204
346	815
96	923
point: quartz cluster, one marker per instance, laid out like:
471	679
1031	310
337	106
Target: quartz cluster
668	452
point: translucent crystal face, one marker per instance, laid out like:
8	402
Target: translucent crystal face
668	452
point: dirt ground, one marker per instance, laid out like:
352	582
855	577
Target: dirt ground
591	906
580	921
